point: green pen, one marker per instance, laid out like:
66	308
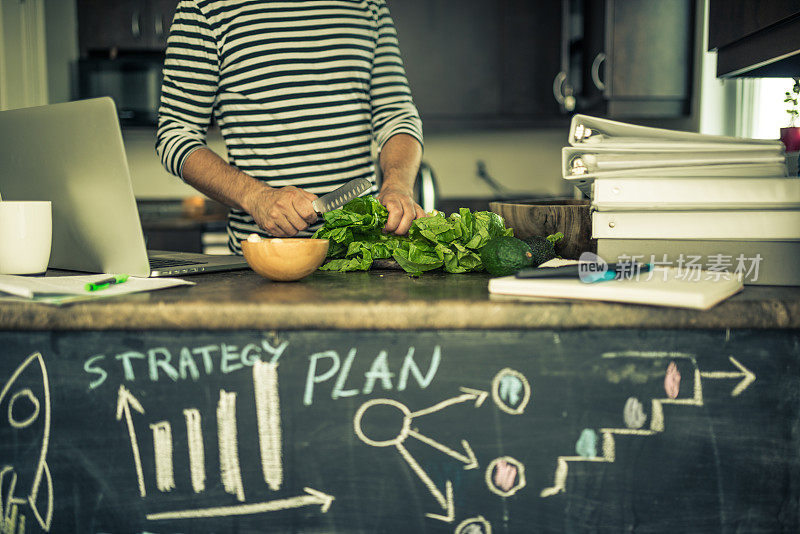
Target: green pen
106	282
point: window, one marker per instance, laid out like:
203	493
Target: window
764	111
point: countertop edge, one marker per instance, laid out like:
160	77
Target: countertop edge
406	315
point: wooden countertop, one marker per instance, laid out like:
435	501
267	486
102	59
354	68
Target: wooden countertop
383	300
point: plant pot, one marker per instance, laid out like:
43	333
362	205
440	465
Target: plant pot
790	136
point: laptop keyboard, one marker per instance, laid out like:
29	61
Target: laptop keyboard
160	263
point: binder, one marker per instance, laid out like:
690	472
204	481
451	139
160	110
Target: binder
775	225
737	171
627	194
761	263
596	162
591	131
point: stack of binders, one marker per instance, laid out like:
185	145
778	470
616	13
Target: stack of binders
691	201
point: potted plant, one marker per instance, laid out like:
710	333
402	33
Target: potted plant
791	134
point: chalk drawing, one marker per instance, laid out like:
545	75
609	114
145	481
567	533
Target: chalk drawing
162	447
39	498
672	381
511	391
586	446
268	422
633	413
474	525
379	373
312	497
126	401
228	444
268	417
197	455
505	476
468	457
657	408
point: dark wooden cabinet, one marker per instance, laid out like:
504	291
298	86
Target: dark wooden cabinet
479	62
519	62
630	58
756	39
123	25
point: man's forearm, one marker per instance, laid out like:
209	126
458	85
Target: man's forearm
210	174
282	212
400	158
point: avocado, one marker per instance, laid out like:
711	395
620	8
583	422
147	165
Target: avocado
542	248
506	255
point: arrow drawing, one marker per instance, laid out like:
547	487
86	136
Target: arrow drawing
747	376
469	394
657	413
468	457
126	401
312	497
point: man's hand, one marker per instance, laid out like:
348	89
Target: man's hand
282	212
402	209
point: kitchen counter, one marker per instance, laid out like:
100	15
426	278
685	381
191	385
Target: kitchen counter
384	300
358	403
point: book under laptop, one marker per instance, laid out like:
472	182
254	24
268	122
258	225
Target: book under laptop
72	154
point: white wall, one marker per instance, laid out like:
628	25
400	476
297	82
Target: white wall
23	71
150	179
62	48
527	162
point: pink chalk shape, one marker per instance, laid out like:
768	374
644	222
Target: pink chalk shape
505	474
672	381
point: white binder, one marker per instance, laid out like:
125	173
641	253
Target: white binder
775	225
630	194
587	131
736	171
580	162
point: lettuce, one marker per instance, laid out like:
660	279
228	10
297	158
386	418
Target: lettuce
451	243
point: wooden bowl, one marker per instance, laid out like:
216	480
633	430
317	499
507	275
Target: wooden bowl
545	217
285	260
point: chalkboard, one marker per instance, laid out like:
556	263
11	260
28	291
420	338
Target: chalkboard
383	432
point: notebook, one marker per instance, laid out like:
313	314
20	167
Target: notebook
72	154
662	286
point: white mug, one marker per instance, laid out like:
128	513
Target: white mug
26	234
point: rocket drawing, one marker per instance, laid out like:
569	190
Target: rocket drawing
25	434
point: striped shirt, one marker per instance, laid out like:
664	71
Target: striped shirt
300	89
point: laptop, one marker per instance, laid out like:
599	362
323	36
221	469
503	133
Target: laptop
72	154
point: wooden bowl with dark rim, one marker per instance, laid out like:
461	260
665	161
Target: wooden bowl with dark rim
285	259
545	217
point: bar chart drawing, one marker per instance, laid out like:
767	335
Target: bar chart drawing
268	423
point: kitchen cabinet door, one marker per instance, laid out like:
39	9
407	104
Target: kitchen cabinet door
638	57
161	15
123	25
451	51
103	25
473	63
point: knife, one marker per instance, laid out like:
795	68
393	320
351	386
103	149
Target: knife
341	196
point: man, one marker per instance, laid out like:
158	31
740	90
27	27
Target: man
300	90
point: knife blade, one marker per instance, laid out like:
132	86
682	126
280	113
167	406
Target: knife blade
341	196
